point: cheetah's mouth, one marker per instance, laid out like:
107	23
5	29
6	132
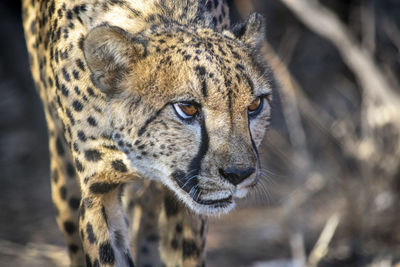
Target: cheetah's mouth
215	202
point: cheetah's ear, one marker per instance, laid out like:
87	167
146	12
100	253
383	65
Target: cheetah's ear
251	32
109	51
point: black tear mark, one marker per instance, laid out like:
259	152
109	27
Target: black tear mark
195	164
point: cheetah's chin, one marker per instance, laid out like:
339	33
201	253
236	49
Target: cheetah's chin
211	206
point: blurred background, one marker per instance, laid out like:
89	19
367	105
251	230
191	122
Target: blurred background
330	189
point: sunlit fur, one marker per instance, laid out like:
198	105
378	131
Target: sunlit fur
170	143
108	73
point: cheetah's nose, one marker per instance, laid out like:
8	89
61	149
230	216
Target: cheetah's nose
236	175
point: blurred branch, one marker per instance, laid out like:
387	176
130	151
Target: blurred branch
321	247
368	26
297	247
325	23
392	32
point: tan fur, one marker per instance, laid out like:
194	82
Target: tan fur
109	74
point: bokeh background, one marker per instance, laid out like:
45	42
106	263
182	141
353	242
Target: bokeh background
330	189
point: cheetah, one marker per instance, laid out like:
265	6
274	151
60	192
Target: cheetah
164	94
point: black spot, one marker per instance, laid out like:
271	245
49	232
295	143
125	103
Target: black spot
75	73
80	42
76	9
77	91
74	203
106	253
144	249
77	105
171	206
90	234
70	117
78	166
80	64
69	14
63	192
59	147
203	227
174	244
83	8
189	248
82	211
153	238
88	262
69	227
64	90
215	3
179	228
141	146
82	136
76	147
70	169
54	175
73	248
118	165
92	121
65	75
50	80
90	91
102	188
93	155
96	263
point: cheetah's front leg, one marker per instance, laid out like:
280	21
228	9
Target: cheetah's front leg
103	226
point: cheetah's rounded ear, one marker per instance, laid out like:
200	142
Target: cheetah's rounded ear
251	32
109	52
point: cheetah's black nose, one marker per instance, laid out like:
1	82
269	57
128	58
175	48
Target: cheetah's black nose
236	175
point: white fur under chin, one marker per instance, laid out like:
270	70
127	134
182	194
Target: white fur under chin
241	193
193	205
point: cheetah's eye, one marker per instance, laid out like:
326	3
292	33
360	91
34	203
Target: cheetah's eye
186	111
256	106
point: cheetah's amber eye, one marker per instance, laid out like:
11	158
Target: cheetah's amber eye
256	106
186	110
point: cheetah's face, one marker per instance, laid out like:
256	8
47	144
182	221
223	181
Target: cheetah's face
188	106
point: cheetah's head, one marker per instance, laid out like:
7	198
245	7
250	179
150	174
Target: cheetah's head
187	105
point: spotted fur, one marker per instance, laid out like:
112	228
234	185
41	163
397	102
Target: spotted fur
109	73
